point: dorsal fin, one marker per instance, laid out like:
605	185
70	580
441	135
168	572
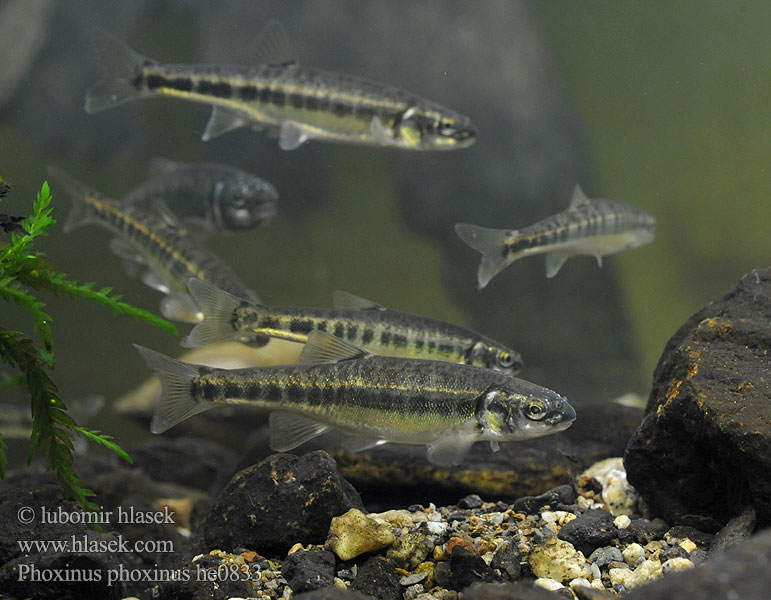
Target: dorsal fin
341	299
578	199
322	346
273	45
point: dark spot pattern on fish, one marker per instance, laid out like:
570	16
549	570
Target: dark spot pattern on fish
339	330
341	109
248	92
272	392
321	325
296	100
445	348
278	97
313	395
351	332
419	343
385	338
269	323
300	326
399	340
366	338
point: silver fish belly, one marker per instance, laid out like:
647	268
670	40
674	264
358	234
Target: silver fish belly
588	227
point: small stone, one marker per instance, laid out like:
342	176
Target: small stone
436	528
672	552
507	561
548	584
558	559
563	494
602	557
634	554
645	531
413	578
618	493
409	550
620	576
680	533
355	533
466	569
470	501
309	570
622	521
688	545
591	530
676	564
647	571
579	582
378	577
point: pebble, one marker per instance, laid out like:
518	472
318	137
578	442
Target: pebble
602	557
558	559
355	533
634	554
622	521
647	571
548	583
676	564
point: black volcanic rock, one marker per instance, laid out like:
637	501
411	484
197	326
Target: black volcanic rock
591	530
704	445
283	500
309	570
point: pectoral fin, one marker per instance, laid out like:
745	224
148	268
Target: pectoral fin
221	121
289	430
380	133
448	452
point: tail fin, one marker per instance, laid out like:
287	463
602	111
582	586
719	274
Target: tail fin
121	65
176	403
82	212
490	242
217	307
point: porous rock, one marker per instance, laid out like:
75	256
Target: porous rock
467	569
355	533
563	494
591	530
377	577
308	570
704	445
283	500
558	559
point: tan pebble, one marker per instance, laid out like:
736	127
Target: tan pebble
647	571
548	583
622	521
676	564
355	533
634	554
688	545
339	583
401	517
620	576
557	559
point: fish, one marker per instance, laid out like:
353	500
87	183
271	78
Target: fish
293	102
357	320
153	241
369	399
595	227
208	195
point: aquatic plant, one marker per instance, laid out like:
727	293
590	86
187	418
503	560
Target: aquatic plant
24	270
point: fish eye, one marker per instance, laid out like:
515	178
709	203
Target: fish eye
505	359
446	128
536	409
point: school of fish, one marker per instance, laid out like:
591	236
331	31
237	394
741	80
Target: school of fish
370	374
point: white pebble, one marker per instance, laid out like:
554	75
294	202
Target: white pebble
579	582
548	583
622	521
647	571
549	516
596	573
676	564
634	554
557	559
620	575
435	527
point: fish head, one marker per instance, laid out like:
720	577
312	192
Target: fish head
521	410
435	128
245	202
492	356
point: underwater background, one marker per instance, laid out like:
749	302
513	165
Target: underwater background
664	106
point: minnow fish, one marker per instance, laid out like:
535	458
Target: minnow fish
359	321
211	195
588	227
170	254
371	399
296	103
